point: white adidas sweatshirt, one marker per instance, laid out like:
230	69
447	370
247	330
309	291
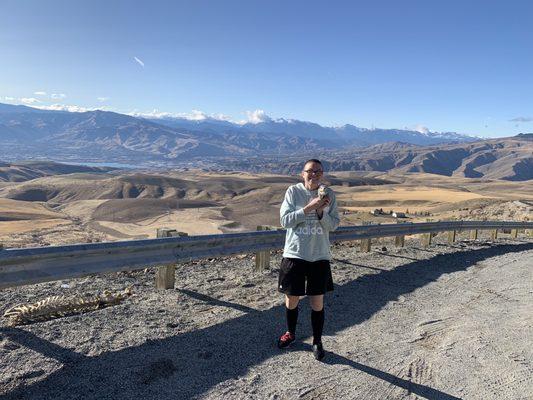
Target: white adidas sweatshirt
307	236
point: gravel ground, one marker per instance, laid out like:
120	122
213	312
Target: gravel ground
444	322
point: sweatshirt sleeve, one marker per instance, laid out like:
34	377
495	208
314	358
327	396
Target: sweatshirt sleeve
289	215
330	220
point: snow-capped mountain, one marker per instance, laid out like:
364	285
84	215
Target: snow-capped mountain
330	136
101	134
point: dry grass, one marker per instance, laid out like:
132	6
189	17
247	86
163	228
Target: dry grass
134	205
192	221
12	227
13	209
398	198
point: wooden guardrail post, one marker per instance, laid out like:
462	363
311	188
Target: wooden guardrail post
262	258
366	244
514	233
494	234
433	234
451	237
426	239
165	276
473	234
399	241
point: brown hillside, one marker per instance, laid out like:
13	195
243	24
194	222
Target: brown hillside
24	171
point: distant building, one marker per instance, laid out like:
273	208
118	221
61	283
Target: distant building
377	211
397	214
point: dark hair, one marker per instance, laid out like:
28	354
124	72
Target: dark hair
313	160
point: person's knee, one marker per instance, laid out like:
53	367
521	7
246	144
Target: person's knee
291	301
317	302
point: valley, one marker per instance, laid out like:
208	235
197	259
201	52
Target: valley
114	204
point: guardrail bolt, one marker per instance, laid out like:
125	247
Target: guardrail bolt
262	258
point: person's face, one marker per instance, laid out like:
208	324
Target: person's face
312	174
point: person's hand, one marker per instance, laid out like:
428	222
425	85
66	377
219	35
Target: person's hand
320	210
325	202
314	204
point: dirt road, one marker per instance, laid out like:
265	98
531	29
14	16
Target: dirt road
445	322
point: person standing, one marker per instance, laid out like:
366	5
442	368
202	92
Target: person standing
308	216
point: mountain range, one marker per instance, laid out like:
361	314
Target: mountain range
329	137
507	159
31	132
268	145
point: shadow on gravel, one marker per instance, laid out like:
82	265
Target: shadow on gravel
342	261
192	363
216	302
395	255
411	387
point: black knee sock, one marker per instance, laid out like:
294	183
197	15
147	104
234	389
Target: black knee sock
292	319
317	321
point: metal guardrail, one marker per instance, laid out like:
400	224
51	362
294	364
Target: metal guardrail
34	265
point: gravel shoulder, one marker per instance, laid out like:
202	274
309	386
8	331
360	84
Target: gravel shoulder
444	322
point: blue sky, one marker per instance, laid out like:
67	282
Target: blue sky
461	66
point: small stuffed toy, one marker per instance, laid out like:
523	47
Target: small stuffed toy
322	191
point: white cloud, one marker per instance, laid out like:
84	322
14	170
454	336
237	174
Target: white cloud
422	129
40	93
222	117
8	98
256	117
102	99
152	114
197	115
139	61
29	100
194	115
58	96
64	107
521	119
253	117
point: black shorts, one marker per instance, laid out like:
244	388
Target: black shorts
298	277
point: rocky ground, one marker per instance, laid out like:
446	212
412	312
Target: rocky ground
444	322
